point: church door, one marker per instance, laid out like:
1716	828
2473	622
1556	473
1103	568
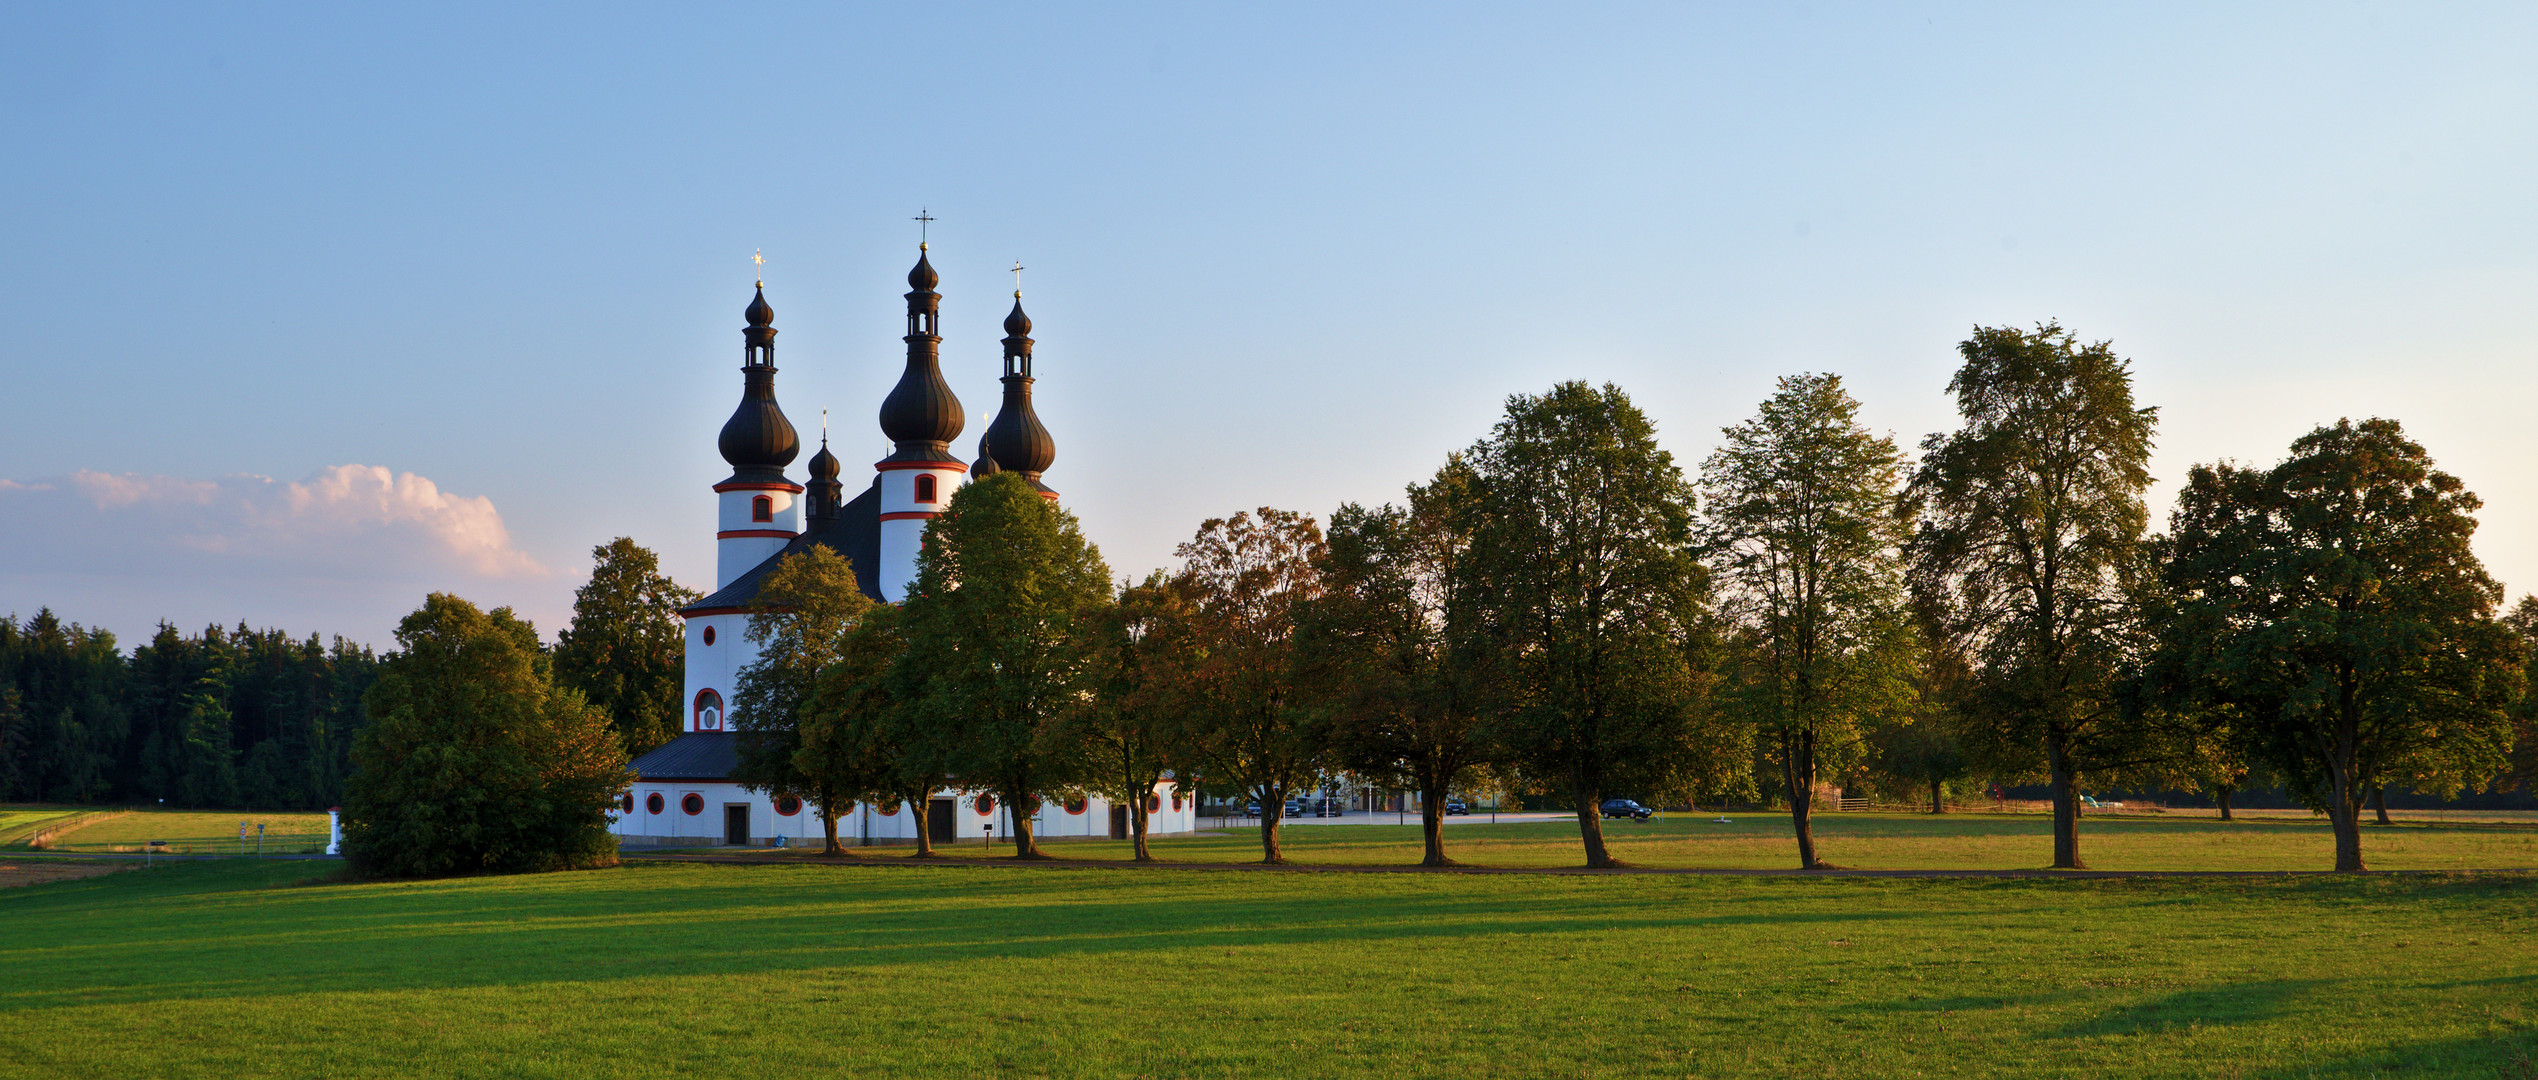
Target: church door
1119	823
736	824
940	825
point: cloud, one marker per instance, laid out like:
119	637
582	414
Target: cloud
351	546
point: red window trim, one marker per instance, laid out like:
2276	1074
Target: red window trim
691	804
782	801
1078	805
984	804
925	488
762	508
653	803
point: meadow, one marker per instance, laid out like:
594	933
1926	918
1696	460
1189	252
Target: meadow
813	967
196	832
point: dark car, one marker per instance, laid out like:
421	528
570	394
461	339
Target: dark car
1626	808
1456	806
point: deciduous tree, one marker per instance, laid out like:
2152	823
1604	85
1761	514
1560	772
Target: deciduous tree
2029	523
626	649
1803	538
1248	575
2334	604
474	760
810	608
1004	620
1140	680
1591	596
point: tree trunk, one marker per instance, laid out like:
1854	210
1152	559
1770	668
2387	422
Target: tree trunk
1137	823
1273	809
1797	766
2222	797
828	826
1024	811
2344	795
1937	806
1590	827
2066	801
1432	820
921	808
2379	802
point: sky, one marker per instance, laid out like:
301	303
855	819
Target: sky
307	311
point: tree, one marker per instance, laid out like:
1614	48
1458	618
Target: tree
2523	769
1592	602
809	607
2029	523
2334	604
626	650
474	760
857	735
1247	577
1004	620
1139	679
1803	538
1387	647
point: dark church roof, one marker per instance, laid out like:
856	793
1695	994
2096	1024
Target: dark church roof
697	755
854	533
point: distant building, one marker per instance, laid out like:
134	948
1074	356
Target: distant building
683	794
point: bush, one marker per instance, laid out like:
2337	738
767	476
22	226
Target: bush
474	760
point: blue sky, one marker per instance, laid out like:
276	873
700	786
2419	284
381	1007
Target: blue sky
1279	255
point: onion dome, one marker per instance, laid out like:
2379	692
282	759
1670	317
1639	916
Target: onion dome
986	465
826	493
921	415
758	441
923	278
1016	440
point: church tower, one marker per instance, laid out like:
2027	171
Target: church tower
758	514
921	418
1016	442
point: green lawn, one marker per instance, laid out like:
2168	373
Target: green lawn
1871	841
198	832
215	969
14	818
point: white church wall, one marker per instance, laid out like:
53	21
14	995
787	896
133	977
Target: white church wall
714	666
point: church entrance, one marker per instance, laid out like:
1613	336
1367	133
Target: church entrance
736	823
940	826
1119	823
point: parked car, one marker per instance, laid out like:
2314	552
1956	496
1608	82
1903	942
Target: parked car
2094	803
1456	806
1328	807
1626	808
1252	808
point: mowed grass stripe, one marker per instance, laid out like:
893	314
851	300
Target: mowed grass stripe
213	970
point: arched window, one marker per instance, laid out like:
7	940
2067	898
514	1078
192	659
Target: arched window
652	802
788	806
762	508
984	804
924	488
691	804
709	711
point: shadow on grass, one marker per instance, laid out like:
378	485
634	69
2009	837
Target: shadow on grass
222	930
2223	1006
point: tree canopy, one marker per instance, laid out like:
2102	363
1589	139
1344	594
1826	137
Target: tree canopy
626	649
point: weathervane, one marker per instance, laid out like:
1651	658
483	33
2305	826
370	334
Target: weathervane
759	257
922	219
1017	279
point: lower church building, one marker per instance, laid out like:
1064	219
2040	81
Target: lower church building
682	794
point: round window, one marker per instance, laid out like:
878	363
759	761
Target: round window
1176	803
709	635
692	804
984	804
891	810
788	806
1154	803
652	802
625	802
1077	805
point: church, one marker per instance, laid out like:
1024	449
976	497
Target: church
682	794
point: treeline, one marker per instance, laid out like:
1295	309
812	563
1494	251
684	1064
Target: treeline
221	718
1562	609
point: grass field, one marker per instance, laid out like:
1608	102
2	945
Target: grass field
197	832
1868	841
217	969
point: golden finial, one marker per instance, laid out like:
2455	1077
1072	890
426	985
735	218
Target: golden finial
759	257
